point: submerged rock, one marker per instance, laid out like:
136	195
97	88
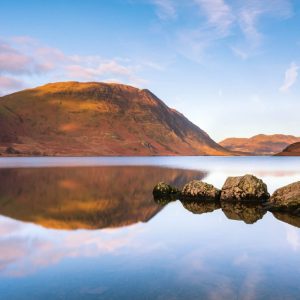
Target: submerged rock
247	212
244	188
197	207
286	199
200	190
164	189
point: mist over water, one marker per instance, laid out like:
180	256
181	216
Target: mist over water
88	228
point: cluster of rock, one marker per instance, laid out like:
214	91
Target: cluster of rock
243	197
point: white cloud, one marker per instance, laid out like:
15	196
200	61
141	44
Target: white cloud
291	75
194	36
165	9
218	13
293	238
249	15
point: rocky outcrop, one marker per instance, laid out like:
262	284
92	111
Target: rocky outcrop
200	190
286	199
162	189
247	212
244	188
164	193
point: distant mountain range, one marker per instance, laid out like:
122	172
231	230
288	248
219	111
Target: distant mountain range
291	150
78	119
260	144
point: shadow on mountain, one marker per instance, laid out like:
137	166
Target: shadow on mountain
85	197
197	207
247	212
288	218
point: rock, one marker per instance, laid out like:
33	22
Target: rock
200	190
164	189
11	150
286	199
197	207
241	211
244	188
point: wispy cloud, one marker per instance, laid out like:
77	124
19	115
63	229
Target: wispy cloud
249	15
290	78
209	22
218	13
165	9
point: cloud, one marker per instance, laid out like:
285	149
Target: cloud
165	9
218	13
293	238
201	25
9	83
24	60
248	18
291	75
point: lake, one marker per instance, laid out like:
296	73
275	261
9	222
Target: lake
88	228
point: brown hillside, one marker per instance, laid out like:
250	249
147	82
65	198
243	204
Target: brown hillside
291	150
260	144
73	118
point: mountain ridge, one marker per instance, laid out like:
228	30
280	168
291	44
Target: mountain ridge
93	118
260	144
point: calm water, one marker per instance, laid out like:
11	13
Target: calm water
88	228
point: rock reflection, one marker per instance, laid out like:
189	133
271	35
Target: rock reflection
247	212
200	207
288	218
85	197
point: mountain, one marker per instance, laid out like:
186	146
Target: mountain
85	197
260	144
73	119
291	150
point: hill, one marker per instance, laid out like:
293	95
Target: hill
291	150
260	144
78	119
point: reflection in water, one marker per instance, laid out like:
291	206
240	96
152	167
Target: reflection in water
288	218
200	207
176	255
247	212
90	198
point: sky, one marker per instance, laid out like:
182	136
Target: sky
230	66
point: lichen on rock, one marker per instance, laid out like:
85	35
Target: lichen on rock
200	190
244	188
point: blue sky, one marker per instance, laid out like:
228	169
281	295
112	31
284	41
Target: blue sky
231	66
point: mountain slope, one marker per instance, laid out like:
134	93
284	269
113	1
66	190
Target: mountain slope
73	118
260	144
291	150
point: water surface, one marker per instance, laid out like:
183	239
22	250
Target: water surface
88	228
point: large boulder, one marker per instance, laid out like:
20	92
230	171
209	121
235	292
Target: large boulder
244	188
200	190
286	199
